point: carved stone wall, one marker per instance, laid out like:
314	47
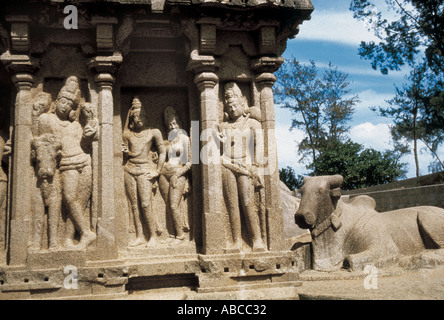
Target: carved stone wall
117	140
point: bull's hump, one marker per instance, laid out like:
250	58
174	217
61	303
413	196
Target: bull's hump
363	201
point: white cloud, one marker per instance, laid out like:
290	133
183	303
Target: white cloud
372	136
336	27
425	157
377	136
287	148
371	98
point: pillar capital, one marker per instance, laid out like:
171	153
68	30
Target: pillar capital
105	80
206	80
266	79
106	65
21	68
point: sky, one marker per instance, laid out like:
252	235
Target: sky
333	35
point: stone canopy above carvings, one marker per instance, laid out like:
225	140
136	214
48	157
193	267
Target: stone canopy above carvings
108	158
297	4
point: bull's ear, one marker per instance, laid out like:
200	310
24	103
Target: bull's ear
335	193
335	181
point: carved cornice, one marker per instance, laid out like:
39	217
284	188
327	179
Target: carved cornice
201	63
297	4
106	64
266	64
19	63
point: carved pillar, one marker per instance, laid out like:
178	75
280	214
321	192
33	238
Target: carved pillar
104	159
206	81
22	70
264	68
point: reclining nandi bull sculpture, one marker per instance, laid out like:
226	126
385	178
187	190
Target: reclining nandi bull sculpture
353	234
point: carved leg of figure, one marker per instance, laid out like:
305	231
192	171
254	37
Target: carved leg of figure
175	198
131	191
246	192
3	188
164	188
38	210
71	183
85	192
230	191
70	232
145	192
54	212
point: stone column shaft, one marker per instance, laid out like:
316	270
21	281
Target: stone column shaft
21	171
104	159
213	238
275	226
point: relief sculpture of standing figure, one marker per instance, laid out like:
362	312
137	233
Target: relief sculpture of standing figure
173	181
75	165
240	178
140	171
4	151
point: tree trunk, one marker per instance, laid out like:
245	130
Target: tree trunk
415	142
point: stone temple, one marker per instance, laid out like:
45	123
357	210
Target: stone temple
138	148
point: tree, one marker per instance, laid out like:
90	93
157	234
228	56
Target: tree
288	176
359	166
417	29
414	114
319	102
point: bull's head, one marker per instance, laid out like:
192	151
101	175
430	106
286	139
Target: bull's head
319	199
46	152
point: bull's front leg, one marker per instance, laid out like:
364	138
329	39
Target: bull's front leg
375	256
54	214
358	261
38	214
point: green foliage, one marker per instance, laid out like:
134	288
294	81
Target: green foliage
359	166
288	176
418	28
418	114
317	101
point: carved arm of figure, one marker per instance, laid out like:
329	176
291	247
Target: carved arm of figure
158	140
258	154
219	135
127	152
92	124
186	167
7	150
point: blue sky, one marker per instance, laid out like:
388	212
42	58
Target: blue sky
333	35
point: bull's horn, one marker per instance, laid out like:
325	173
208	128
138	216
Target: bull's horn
335	181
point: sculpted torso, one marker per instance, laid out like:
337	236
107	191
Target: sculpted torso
69	133
140	143
239	141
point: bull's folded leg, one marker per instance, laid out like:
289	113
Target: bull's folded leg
431	226
371	257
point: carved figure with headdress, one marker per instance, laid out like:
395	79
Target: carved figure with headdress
140	171
74	165
240	178
173	181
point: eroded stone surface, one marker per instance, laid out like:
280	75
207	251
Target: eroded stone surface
352	234
110	125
